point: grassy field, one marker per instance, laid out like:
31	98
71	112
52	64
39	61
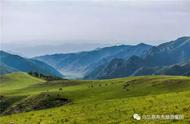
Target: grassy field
94	101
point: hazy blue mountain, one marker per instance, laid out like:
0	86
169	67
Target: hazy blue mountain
117	68
145	71
86	62
178	69
15	62
182	69
4	69
167	54
137	50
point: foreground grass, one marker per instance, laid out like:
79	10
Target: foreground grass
109	111
108	101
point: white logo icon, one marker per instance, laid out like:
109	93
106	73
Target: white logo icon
137	117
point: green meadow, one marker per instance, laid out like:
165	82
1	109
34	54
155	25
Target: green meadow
30	100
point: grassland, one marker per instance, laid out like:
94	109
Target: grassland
15	81
97	101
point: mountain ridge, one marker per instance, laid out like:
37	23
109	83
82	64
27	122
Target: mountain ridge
107	62
86	62
175	52
18	63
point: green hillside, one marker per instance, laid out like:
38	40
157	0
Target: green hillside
19	80
94	101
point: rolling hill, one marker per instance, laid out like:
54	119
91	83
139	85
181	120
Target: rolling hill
17	80
13	63
95	101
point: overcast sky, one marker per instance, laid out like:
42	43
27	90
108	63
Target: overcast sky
94	21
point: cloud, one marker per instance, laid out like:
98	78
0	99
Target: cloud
50	22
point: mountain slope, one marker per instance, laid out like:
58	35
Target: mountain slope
26	65
178	69
169	53
174	52
118	68
182	69
4	69
17	80
85	62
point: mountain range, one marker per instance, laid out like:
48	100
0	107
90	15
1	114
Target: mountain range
13	63
85	62
170	58
123	60
162	59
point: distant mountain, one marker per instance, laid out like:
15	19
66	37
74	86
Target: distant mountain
145	71
86	62
181	69
178	69
157	58
11	63
4	69
117	68
139	50
169	53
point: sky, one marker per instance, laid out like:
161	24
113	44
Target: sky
34	23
